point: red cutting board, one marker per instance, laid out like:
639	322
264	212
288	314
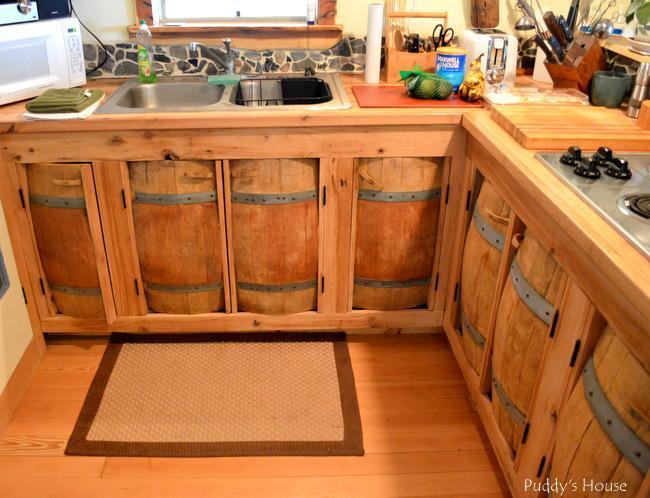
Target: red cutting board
394	96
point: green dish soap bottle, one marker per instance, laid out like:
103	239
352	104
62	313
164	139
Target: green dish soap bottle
146	73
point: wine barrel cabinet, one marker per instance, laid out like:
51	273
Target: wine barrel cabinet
61	228
482	253
274	205
525	313
603	430
398	208
178	235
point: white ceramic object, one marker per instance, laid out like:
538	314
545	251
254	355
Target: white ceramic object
640	44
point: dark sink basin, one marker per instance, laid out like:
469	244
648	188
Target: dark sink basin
282	91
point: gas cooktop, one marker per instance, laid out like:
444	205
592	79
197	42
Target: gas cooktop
616	185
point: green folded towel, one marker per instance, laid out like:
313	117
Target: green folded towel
64	100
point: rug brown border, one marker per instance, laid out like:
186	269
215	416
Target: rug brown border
351	445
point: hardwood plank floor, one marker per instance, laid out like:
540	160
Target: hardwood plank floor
421	436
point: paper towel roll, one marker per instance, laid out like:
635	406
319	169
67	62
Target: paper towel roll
373	41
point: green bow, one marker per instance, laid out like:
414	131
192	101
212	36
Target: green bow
413	76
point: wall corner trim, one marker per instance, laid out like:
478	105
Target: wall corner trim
19	381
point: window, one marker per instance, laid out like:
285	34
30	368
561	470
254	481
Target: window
233	11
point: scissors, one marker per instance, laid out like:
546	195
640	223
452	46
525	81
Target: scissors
442	37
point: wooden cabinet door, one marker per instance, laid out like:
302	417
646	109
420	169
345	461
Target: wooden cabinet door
398	211
518	326
62	208
274	227
179	229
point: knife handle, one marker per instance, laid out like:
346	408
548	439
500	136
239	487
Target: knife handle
539	41
568	34
557	48
553	26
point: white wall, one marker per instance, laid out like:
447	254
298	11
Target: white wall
108	19
15	330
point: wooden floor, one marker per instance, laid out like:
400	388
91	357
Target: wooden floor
421	436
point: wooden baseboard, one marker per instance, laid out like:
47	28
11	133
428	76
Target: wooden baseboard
19	381
243	322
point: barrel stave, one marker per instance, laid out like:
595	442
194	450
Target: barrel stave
396	234
178	240
480	265
63	238
275	234
520	334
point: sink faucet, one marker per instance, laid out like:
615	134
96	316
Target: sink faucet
225	60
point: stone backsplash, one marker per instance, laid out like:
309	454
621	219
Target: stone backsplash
349	55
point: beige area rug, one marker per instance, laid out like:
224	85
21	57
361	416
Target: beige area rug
206	395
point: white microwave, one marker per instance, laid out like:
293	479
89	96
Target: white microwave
39	55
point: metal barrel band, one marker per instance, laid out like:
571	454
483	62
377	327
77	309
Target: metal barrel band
270	199
535	302
76	291
379	196
491	235
58	202
290	287
391	284
474	334
517	415
183	289
631	446
175	199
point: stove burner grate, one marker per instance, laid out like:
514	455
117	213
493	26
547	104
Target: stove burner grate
638	204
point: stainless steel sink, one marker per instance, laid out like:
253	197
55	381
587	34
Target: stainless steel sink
168	95
190	94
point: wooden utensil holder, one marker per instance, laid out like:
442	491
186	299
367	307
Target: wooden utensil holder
584	57
398	60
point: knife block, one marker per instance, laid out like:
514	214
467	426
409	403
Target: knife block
583	58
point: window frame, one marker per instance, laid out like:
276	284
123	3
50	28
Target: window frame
228	20
147	10
255	36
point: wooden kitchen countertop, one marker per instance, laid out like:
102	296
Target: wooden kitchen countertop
534	126
11	120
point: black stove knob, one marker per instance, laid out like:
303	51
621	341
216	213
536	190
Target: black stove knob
587	170
572	157
603	156
618	168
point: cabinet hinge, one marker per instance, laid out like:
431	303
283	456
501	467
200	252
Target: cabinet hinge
42	285
435	282
123	199
22	289
447	195
137	287
574	355
22	198
524	436
322	284
556	317
324	195
540	469
456	291
468	200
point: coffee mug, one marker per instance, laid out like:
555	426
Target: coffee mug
609	88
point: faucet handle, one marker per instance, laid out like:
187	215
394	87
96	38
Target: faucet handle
227	42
